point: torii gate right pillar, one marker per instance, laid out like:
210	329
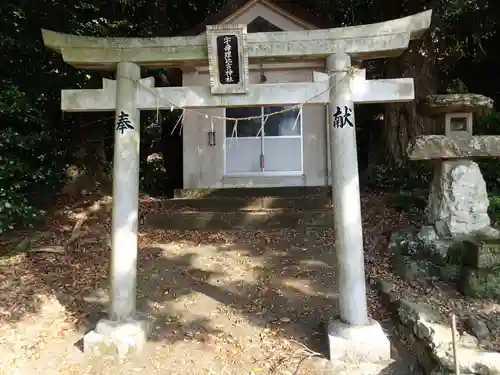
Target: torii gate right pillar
351	334
345	191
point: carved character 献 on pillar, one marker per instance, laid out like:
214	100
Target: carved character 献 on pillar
341	119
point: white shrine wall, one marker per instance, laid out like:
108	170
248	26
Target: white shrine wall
203	165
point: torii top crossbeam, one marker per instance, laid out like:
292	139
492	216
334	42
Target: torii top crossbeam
378	40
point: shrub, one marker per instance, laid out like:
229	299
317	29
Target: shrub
416	175
399	177
29	166
490	125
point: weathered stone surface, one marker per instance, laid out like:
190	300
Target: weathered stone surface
471	360
427	325
430	339
415	258
458	201
406	251
478	328
380	40
437	104
418	255
423	244
481	283
246	204
258	219
450	273
419	349
485	254
112	338
427	234
440	250
254	192
417	269
358	343
427	147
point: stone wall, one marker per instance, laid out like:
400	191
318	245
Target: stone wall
471	264
429	337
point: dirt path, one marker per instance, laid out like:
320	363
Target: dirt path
223	303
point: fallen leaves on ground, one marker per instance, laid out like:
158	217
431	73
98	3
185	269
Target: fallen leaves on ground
248	295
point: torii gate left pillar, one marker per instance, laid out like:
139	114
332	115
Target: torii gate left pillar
124	330
353	334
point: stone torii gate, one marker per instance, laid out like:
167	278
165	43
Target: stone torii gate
354	332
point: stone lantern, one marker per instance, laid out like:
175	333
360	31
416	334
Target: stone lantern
458	124
456	112
458	200
456	242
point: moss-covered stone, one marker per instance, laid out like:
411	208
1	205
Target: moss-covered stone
416	256
450	273
106	348
459	252
411	269
404	243
481	283
410	256
484	254
421	352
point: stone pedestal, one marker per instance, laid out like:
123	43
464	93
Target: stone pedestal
117	338
364	343
458	200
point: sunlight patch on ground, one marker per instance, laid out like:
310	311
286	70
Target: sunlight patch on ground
22	341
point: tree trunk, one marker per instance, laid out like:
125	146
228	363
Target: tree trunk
402	121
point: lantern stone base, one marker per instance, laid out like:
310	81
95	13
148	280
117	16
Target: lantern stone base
367	343
111	338
458	200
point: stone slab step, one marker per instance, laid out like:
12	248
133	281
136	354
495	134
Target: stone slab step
288	191
246	204
263	219
391	367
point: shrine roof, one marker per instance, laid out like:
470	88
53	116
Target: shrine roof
288	7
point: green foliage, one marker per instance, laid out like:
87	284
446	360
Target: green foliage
417	175
35	138
491	168
398	177
494	209
490	125
28	164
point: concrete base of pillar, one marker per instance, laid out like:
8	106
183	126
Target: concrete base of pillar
366	343
111	338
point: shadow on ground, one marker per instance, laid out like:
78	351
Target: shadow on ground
281	281
232	285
